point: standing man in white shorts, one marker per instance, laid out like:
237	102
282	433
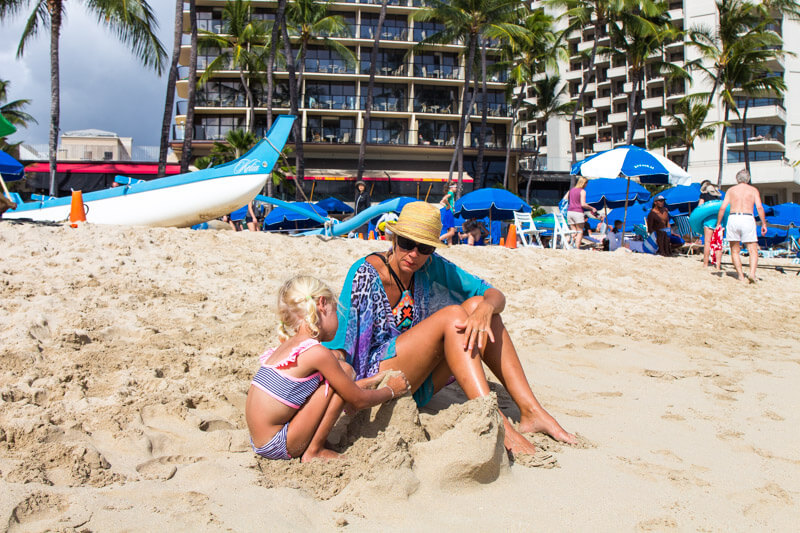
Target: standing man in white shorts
741	227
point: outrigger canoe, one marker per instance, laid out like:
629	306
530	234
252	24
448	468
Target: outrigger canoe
181	200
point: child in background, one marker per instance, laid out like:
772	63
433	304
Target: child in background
289	414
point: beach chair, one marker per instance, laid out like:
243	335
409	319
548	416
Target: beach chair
685	231
527	234
562	234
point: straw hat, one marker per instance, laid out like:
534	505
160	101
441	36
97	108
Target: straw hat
420	222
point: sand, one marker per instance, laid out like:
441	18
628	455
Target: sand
126	355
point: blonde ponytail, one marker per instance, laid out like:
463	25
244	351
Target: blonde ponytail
297	303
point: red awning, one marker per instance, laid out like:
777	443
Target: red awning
104	168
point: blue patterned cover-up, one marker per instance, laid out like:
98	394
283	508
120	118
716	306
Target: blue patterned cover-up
367	330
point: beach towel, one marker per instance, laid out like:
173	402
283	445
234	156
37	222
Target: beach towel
650	245
715	244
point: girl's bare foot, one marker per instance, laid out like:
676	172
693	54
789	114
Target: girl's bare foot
514	442
542	422
323	453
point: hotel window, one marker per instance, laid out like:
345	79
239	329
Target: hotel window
330	95
395	28
388	62
386	97
319	59
436	65
423	30
209	19
215	128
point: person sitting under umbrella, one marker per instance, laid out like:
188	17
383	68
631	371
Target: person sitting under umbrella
658	221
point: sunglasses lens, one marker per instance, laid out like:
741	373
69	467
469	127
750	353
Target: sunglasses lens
408	244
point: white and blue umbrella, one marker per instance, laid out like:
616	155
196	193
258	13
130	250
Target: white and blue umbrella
498	204
631	162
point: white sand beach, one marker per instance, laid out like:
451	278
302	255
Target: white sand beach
126	355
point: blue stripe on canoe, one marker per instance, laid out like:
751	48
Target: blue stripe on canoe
263	152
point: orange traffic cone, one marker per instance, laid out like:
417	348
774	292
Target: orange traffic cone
371	236
361	236
76	211
511	240
502	241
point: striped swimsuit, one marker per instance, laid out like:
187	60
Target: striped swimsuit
286	389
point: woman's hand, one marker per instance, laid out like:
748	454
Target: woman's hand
478	326
372	381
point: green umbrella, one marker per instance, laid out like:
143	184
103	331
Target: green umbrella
6	128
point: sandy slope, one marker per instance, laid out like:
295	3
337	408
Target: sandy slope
126	353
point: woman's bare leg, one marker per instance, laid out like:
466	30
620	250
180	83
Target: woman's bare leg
309	429
435	345
707	232
502	359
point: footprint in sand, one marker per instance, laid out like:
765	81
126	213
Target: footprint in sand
598	345
657	524
41	511
164	468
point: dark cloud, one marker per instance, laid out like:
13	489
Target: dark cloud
103	85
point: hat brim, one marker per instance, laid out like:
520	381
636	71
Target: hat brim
399	230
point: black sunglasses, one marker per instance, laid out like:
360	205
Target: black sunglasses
408	244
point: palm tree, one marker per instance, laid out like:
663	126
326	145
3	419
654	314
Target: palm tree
524	62
582	13
689	124
467	22
188	123
640	30
172	78
241	43
552	100
735	54
373	59
272	55
13	113
132	21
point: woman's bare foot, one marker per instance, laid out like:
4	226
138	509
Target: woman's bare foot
542	422
514	442
323	453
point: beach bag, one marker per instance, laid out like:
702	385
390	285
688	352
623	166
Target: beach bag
650	244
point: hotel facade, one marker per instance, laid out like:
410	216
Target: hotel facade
415	114
772	128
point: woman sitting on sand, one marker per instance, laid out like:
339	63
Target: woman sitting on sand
395	315
288	413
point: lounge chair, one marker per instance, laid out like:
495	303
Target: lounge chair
562	234
527	234
685	231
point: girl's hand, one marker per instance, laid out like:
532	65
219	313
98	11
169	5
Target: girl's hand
399	384
478	326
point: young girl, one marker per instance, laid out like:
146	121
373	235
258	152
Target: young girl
299	391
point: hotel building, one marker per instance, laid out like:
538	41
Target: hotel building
772	129
416	105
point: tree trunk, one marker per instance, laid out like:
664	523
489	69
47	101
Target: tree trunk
169	102
514	122
633	113
294	99
530	177
248	93
273	51
744	130
479	173
722	145
373	58
54	6
188	127
587	77
458	149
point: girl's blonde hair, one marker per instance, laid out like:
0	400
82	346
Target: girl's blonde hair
297	303
582	181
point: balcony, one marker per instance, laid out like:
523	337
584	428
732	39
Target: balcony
585	46
601	146
618	118
587	130
773	114
601	102
618	72
573	75
655	102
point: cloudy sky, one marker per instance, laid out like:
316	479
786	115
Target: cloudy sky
102	85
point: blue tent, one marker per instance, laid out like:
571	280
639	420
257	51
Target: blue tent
637	214
283	218
10	168
498	204
334	205
610	192
784	214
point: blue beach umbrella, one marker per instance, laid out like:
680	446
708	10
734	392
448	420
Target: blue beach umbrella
283	218
637	214
403	200
613	192
334	205
10	168
681	199
497	204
